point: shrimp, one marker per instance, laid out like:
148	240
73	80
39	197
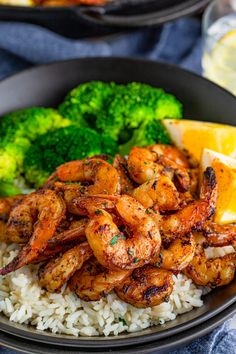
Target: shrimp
145	164
176	253
220	235
172	153
56	272
112	247
146	287
126	184
76	232
101	174
40	213
158	193
196	213
74	196
93	281
211	272
6	205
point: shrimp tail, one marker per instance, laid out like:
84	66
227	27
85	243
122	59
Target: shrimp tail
209	186
10	267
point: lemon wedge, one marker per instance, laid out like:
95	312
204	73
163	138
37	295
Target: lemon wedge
225	170
196	135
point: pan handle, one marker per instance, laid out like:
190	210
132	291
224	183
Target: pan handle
99	15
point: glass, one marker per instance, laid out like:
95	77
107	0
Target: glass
219	48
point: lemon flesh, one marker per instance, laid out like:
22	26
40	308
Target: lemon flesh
225	170
195	136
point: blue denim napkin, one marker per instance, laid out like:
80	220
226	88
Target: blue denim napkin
23	45
179	42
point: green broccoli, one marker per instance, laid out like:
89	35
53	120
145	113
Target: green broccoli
148	133
17	132
108	145
55	148
29	123
131	105
83	103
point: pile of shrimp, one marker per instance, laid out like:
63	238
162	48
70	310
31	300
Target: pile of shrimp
125	227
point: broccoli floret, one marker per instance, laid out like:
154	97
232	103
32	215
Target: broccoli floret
108	145
7	190
29	123
84	102
17	132
168	106
55	148
148	133
131	105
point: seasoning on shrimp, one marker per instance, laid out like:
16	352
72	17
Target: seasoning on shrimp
107	241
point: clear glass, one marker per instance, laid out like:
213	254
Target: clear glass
219	47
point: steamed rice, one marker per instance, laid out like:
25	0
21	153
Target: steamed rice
22	300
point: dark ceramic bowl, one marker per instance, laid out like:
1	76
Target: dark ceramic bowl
46	86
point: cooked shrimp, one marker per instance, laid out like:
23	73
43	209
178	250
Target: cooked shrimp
145	164
220	235
39	213
74	196
176	253
76	232
56	272
146	287
211	272
109	243
101	174
125	182
93	281
172	153
196	213
159	193
6	205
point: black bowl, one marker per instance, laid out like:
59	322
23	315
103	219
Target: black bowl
203	100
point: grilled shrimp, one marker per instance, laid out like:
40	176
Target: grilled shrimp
93	281
172	153
211	272
6	205
220	235
39	214
159	193
196	213
76	232
74	196
146	287
56	272
125	182
145	164
176	253
109	243
101	174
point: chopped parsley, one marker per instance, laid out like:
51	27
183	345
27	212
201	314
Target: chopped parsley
123	321
114	240
136	260
147	211
98	212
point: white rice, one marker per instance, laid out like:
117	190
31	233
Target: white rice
24	301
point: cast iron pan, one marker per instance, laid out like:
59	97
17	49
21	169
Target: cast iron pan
203	100
82	21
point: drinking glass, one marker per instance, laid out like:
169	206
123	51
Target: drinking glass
219	46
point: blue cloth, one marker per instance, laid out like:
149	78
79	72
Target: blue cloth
23	45
179	42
